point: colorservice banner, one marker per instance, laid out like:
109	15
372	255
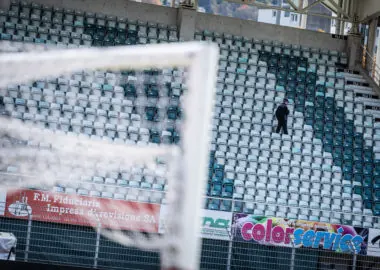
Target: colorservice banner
374	243
82	210
214	224
298	233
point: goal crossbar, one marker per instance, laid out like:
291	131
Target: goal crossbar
16	67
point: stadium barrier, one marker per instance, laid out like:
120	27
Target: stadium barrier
52	228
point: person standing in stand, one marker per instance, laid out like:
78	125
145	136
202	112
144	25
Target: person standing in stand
282	113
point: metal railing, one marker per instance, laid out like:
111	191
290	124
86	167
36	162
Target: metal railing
370	65
65	244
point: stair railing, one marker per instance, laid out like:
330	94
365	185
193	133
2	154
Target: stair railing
370	65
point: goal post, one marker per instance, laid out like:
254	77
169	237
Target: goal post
188	173
195	148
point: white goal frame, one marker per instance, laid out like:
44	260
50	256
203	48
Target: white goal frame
200	61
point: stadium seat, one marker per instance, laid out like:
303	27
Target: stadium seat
328	161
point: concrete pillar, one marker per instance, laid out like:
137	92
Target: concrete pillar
5	4
377	54
186	23
354	50
278	15
372	36
339	22
347	9
303	21
354	8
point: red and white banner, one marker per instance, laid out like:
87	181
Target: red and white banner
82	210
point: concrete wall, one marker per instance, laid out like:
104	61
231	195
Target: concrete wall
166	15
368	9
4	4
186	23
120	8
287	35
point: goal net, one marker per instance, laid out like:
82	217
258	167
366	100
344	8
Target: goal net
104	137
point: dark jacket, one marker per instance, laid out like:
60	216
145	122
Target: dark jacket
282	112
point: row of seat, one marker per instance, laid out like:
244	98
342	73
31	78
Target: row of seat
94	91
44	34
82	43
238	42
141	196
118	133
76	15
58	28
92	105
46	12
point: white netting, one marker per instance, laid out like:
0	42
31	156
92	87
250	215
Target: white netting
52	157
16	67
93	133
108	124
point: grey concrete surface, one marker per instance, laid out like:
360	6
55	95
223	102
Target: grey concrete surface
4	4
368	9
186	23
265	31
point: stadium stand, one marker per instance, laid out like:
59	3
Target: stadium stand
327	169
324	163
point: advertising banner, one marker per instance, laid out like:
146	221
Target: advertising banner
373	243
298	233
214	224
82	210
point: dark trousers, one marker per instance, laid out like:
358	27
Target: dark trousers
282	124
